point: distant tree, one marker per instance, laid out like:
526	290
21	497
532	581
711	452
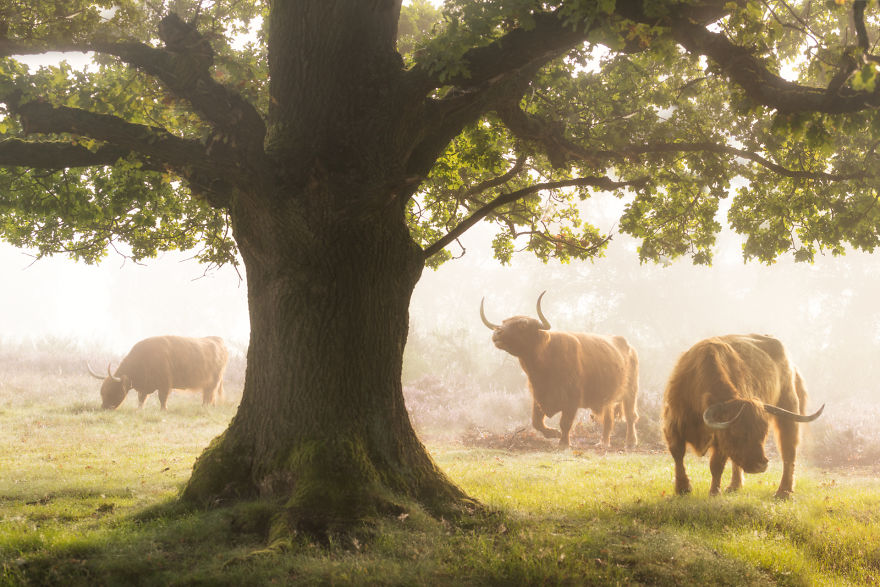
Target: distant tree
338	168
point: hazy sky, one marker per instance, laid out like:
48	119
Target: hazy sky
118	302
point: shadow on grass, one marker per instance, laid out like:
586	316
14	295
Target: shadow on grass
167	543
661	541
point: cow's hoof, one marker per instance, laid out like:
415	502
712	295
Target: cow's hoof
732	488
683	490
550	433
783	494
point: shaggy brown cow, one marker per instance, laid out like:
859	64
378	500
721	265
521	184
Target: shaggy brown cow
722	395
164	363
572	370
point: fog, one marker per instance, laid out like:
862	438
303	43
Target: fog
118	302
826	313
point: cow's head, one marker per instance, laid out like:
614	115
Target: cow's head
113	389
741	427
520	334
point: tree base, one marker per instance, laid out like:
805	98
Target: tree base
324	488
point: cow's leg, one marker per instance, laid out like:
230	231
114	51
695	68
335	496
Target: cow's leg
677	449
142	397
538	422
786	441
212	393
163	396
632	416
716	467
607	425
565	422
736	478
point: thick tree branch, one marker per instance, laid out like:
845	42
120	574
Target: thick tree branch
183	67
603	183
763	86
56	154
546	40
444	119
153	142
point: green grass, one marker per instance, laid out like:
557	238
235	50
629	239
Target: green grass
87	497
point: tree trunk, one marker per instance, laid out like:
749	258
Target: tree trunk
331	267
322	423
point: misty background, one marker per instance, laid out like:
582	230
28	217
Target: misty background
456	382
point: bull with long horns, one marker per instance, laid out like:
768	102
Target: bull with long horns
572	370
723	395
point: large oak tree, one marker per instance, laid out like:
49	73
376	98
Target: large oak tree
347	144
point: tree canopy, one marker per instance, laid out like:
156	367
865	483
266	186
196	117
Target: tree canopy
639	102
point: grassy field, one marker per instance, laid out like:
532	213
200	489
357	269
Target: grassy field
87	498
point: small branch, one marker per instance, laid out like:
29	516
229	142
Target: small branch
497	181
599	182
709	147
559	148
568	243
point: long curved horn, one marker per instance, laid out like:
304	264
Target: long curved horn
777	411
486	320
712	421
545	324
92	372
110	375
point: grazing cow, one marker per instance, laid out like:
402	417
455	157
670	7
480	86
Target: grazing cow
572	370
722	395
163	363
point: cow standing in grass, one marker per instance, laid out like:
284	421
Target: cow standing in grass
163	363
572	370
722	395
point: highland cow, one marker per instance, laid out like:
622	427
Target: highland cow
572	370
722	396
163	363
